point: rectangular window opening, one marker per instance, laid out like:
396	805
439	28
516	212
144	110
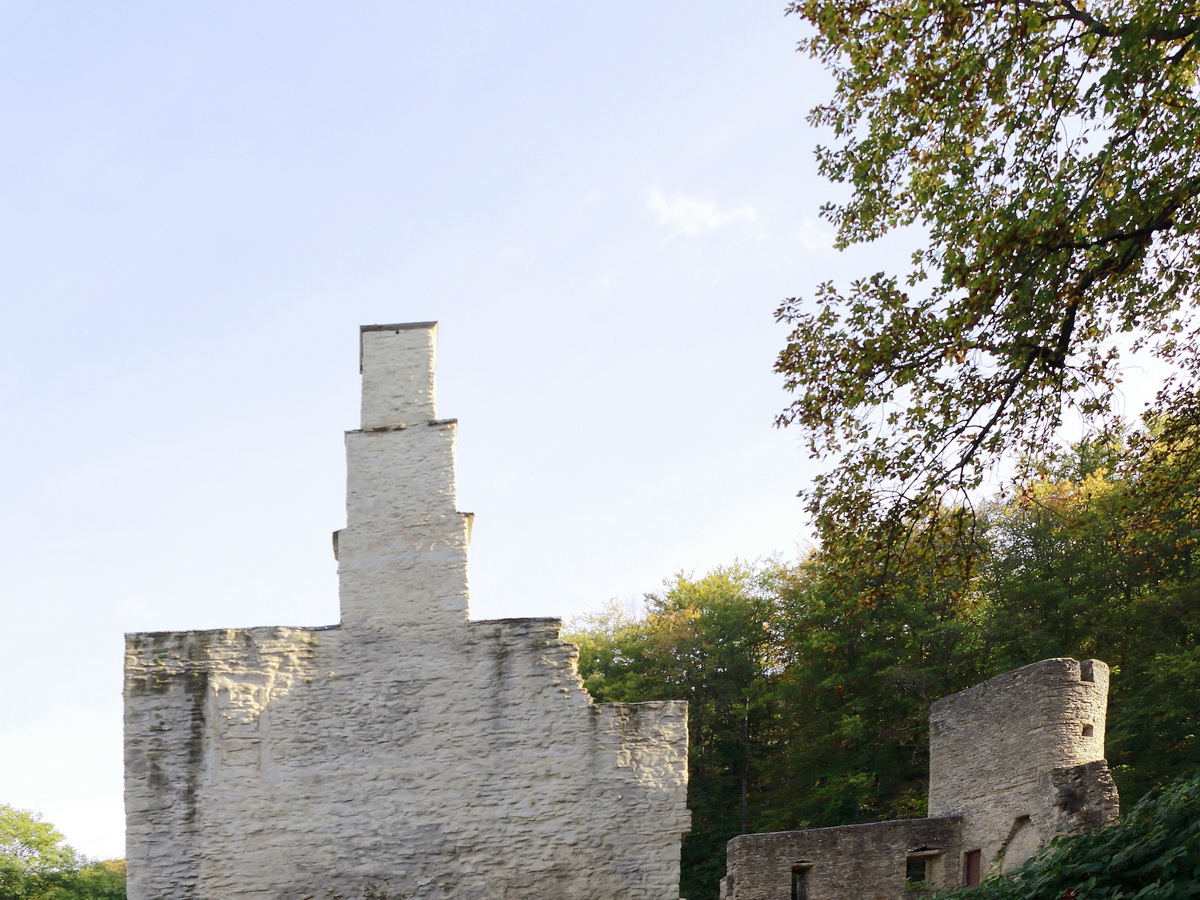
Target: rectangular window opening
916	871
800	882
971	867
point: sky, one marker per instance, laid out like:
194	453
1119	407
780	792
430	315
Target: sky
601	204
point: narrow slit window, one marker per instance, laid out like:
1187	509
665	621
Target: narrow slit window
916	871
800	882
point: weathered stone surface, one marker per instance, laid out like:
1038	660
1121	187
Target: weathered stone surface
1083	796
863	862
409	748
993	749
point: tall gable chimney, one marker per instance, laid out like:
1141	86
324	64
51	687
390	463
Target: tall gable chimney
403	554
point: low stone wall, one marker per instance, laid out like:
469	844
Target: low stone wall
850	862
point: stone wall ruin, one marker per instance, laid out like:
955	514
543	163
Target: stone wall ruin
1013	762
408	751
1003	754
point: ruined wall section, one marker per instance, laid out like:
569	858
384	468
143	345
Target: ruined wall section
850	861
177	685
995	748
1080	797
406	749
285	763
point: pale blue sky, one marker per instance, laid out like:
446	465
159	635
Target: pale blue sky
601	203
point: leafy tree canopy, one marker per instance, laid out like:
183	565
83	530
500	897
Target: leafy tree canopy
809	688
37	864
31	844
1048	150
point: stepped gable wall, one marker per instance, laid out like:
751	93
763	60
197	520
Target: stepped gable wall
407	750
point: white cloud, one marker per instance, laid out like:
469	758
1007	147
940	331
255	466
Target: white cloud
692	215
816	236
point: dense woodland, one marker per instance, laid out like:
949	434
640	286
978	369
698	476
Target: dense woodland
809	684
1045	150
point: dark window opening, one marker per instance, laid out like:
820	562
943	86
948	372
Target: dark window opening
915	872
971	865
1087	730
1086	671
800	882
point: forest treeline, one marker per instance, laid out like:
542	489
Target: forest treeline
809	684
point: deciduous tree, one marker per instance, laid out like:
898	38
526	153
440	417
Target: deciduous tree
1081	565
31	844
1047	148
37	864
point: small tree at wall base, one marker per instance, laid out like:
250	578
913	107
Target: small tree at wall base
32	846
1047	150
37	864
1151	853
